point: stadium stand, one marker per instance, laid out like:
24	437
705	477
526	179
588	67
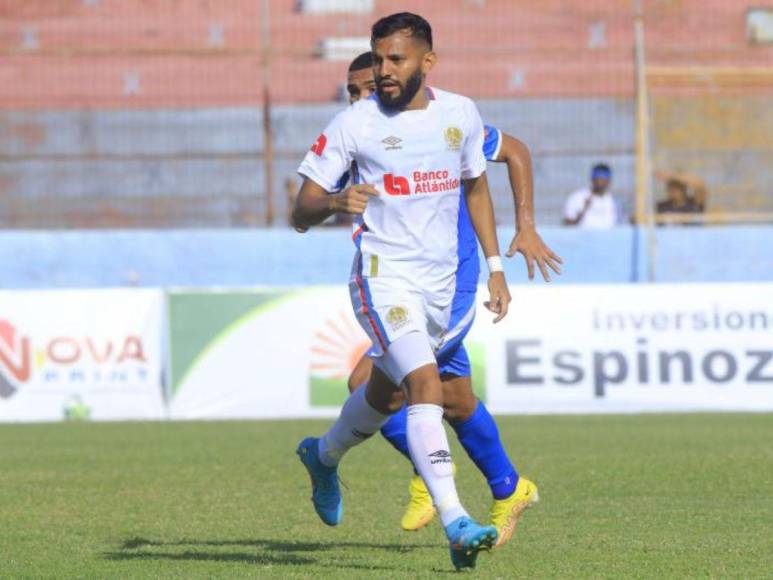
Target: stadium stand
150	113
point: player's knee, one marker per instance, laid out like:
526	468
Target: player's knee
460	408
395	402
386	401
459	400
424	386
382	395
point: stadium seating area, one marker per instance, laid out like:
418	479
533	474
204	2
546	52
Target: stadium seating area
162	53
149	112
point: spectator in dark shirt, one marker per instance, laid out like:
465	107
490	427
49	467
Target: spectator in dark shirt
684	193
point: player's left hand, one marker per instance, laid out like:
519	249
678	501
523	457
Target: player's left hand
499	300
530	244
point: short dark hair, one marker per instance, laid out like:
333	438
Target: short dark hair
678	184
365	60
413	23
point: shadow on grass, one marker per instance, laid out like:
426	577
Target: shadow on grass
276	546
259	559
272	552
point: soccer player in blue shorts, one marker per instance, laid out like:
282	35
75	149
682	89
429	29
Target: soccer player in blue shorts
467	415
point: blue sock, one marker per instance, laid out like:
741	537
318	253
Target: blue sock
480	438
395	431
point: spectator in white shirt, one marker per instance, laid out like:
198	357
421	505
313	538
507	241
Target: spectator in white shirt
594	207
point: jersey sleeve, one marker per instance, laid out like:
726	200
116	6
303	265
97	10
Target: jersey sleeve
331	154
473	161
492	142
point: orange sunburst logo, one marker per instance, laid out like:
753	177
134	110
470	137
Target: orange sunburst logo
337	347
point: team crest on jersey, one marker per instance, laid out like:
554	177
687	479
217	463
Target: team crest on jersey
397	317
453	137
392	143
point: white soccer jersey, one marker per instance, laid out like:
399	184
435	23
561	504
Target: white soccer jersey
417	160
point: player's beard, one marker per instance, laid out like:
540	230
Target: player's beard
406	94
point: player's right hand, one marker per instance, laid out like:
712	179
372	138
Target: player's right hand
353	199
499	301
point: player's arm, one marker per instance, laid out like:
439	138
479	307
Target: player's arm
328	159
481	210
526	241
314	204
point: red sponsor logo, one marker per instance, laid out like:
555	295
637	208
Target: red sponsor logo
434	181
423	182
319	145
396	185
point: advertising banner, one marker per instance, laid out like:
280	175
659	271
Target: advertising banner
261	354
567	349
631	348
265	354
81	354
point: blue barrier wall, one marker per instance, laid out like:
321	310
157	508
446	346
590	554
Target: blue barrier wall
69	259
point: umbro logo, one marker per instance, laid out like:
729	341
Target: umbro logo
392	143
440	453
441	456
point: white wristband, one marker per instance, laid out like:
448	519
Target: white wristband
494	264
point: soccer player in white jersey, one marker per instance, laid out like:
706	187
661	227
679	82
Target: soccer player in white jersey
474	426
410	152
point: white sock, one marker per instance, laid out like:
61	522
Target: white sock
357	421
428	445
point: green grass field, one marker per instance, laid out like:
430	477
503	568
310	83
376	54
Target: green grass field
641	496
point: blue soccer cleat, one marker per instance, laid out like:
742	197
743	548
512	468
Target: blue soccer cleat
325	494
467	538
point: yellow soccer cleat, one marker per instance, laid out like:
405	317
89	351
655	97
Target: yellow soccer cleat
420	510
505	513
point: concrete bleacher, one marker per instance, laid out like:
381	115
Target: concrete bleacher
137	113
71	53
134	168
204	167
135	54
